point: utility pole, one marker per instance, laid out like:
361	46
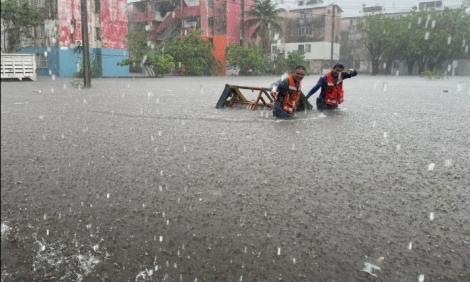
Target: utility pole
242	21
333	34
85	45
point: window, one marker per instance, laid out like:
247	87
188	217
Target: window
98	33
308	48
301	48
97	6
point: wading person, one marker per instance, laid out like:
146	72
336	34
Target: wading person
289	96
331	85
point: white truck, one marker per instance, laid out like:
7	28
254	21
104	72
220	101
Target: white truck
18	66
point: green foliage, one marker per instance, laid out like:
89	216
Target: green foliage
430	39
194	53
282	65
264	18
251	60
137	44
294	59
162	63
18	16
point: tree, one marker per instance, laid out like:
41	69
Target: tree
376	39
138	47
264	18
162	63
194	53
18	18
250	59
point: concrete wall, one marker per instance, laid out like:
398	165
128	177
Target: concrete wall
66	62
318	50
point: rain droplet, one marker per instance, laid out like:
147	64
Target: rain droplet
431	216
293	261
398	147
128	85
157	101
448	162
160	239
65	86
278	251
41	117
410	246
53	77
385	87
95	248
421	278
385	135
62	136
159	133
426	35
293	147
149	94
419	20
449	40
374	123
397	73
160	188
43	137
85	102
431	166
433	24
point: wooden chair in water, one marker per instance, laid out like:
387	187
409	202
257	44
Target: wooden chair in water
232	95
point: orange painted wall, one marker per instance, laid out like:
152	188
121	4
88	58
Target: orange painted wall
220	43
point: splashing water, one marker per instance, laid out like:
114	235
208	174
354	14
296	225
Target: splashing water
421	278
448	163
370	268
426	35
431	166
279	251
410	246
431	216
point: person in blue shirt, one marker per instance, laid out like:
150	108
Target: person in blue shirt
331	85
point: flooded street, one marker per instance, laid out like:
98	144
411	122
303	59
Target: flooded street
144	180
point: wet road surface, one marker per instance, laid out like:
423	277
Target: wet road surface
144	180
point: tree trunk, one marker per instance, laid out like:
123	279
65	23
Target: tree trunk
375	66
410	64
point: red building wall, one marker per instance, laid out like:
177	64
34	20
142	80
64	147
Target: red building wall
113	18
112	21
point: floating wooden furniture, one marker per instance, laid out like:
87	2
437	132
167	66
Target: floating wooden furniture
233	96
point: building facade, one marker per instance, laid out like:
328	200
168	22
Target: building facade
311	28
218	20
58	42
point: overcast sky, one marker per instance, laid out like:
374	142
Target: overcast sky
353	7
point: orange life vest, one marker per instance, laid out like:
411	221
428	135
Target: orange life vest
334	91
291	100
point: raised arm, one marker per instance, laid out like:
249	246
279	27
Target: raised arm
348	74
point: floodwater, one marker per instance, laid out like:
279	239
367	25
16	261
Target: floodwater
144	180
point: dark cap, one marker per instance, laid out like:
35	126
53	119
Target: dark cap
338	65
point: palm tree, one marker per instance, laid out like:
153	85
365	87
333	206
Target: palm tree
264	17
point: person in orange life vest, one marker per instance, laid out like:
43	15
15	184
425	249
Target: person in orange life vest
331	86
289	96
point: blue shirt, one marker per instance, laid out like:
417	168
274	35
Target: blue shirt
323	84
